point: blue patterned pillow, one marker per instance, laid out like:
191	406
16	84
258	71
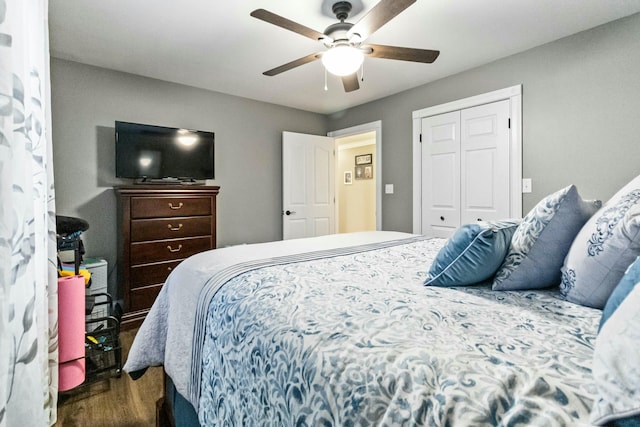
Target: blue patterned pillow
616	360
472	254
603	250
629	281
542	241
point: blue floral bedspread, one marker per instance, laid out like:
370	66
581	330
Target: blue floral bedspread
357	340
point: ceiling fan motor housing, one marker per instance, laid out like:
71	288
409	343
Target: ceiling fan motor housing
338	31
341	9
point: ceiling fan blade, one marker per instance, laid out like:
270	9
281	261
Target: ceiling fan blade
293	64
350	82
287	24
381	13
401	53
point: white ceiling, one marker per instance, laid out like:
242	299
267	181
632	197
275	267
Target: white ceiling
216	45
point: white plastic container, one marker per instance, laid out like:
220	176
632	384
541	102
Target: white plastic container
98	269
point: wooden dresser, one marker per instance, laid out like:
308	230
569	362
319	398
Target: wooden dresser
160	225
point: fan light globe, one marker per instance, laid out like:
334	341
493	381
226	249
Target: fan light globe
342	60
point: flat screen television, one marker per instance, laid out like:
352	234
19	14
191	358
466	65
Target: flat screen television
148	153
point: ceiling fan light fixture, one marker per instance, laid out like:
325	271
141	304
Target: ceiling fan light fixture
342	60
343	40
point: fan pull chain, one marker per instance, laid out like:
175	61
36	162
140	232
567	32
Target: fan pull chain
362	72
326	88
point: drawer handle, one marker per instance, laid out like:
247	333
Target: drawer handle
176	207
174	250
172	228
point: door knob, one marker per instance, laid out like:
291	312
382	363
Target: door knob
289	212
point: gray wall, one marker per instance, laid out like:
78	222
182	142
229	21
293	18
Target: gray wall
87	100
581	98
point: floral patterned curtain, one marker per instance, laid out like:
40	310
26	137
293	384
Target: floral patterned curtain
28	279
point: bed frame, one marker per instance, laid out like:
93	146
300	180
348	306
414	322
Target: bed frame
171	404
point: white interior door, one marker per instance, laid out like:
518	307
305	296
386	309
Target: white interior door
441	174
307	185
484	156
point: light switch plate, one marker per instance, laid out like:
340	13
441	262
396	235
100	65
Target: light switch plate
388	189
526	185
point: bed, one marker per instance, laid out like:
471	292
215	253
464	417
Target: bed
340	330
512	322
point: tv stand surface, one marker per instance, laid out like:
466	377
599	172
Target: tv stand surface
170	181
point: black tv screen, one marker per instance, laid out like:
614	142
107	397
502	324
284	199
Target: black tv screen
156	152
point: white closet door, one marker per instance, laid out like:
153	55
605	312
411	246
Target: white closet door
441	174
465	168
484	157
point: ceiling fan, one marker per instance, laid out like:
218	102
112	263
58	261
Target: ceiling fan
344	40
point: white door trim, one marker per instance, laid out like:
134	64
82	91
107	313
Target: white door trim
364	128
514	95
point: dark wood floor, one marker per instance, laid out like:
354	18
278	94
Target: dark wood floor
116	402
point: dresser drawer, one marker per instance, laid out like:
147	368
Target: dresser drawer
143	298
168	250
170	228
151	274
159	207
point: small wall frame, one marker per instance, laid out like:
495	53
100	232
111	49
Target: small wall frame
364	159
364	172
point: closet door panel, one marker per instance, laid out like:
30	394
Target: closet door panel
441	174
484	161
478	184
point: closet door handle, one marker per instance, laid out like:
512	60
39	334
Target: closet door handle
172	228
441	218
180	205
174	250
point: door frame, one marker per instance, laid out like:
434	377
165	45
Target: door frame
514	95
365	128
